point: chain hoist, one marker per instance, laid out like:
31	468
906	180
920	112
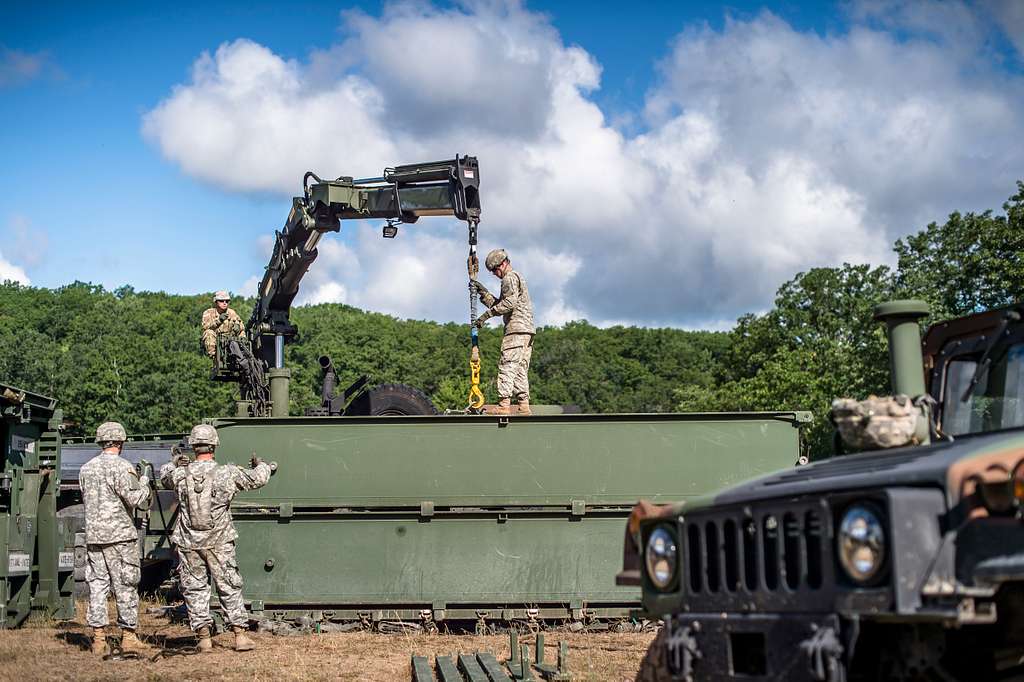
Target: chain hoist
476	397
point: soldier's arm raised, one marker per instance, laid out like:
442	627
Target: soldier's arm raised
167	475
133	492
509	296
250	479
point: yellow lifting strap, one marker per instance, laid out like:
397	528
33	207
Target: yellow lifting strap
476	397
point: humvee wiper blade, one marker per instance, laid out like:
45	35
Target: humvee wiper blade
1009	317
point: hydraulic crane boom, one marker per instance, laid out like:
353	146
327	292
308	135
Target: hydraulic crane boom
401	195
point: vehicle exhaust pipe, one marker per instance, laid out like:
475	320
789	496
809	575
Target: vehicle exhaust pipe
906	363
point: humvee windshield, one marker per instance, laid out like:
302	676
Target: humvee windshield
996	401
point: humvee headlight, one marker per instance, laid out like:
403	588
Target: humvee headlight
661	555
861	545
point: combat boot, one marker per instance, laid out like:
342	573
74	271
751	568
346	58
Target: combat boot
503	407
131	642
205	643
242	641
99	641
524	407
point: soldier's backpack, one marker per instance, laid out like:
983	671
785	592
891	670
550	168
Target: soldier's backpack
198	499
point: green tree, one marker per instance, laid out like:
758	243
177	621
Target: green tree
972	262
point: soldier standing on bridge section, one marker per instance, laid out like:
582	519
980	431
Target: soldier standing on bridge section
220	319
205	535
516	309
112	490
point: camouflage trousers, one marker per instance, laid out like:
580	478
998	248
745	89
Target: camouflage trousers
210	342
113	568
514	366
197	568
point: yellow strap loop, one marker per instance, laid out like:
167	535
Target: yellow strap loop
476	398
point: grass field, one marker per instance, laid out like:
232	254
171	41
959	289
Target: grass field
59	651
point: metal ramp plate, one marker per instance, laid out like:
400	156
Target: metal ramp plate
446	670
468	665
421	670
495	671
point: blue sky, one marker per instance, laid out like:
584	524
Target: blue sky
707	151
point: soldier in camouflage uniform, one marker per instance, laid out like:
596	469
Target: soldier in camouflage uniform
205	535
516	309
220	319
112	490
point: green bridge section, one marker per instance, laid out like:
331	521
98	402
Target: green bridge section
477	517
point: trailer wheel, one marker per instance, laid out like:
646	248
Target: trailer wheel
391	400
654	667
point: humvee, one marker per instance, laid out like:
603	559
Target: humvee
903	563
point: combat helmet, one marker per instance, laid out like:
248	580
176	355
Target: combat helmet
111	432
203	434
221	296
495	258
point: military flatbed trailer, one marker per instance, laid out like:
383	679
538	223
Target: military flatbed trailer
480	518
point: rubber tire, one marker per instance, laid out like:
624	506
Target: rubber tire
654	667
391	400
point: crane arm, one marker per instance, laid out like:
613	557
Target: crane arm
402	194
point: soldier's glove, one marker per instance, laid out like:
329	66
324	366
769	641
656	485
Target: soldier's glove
145	470
179	458
479	287
479	322
222	317
255	462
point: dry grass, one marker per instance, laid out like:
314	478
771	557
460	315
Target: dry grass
59	651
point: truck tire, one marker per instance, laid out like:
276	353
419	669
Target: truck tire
654	667
391	400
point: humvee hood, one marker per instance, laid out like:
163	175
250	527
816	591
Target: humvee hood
945	465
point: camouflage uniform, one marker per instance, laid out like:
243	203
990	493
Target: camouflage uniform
877	423
214	324
516	309
205	535
112	490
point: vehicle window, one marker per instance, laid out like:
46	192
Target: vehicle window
997	401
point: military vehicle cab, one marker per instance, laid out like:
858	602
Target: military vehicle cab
895	564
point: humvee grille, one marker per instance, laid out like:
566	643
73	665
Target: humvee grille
743	552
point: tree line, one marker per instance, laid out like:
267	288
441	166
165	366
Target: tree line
135	356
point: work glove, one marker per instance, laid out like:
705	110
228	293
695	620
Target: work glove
178	458
145	470
222	317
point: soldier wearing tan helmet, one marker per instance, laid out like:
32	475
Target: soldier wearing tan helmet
516	310
205	534
220	319
112	490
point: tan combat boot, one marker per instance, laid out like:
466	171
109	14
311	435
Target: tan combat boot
99	641
503	407
131	642
205	643
524	407
242	641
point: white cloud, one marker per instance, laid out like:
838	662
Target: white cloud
766	151
31	242
11	272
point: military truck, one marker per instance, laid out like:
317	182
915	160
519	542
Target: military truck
903	563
